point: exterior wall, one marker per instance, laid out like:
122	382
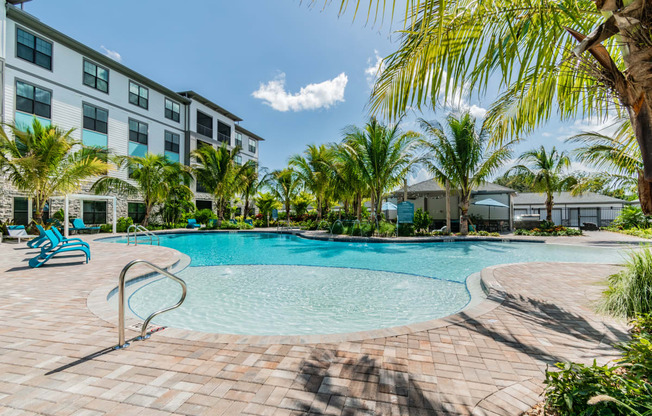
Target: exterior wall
573	214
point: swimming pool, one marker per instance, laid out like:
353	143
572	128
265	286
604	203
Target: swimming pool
274	284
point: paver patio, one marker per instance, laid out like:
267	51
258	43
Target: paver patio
55	355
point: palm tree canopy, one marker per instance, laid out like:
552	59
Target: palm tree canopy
216	170
462	155
547	169
284	184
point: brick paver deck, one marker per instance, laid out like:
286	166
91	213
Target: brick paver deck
55	355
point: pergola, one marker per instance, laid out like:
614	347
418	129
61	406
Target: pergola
66	204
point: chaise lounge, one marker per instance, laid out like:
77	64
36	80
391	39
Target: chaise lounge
78	225
57	246
17	232
192	224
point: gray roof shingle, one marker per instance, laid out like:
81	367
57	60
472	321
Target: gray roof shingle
431	185
533	198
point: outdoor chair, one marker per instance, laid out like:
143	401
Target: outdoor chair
212	222
249	221
57	247
17	232
38	242
192	224
234	222
78	225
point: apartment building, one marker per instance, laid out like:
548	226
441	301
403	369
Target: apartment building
59	80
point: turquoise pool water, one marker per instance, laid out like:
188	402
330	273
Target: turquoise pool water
270	284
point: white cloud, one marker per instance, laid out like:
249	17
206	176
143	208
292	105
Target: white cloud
311	97
606	126
374	69
546	134
420	176
457	99
112	54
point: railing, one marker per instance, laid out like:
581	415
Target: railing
139	228
205	131
121	302
223	138
333	226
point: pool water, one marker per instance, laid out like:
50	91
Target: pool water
271	284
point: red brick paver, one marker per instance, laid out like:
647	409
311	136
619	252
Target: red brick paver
55	357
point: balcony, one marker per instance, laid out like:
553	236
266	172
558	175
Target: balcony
205	131
223	138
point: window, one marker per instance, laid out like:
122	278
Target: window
172	110
33	100
138	95
94	212
95	119
203	204
223	133
136	211
21	211
252	146
238	160
204	124
238	140
171	142
137	132
34	49
96	77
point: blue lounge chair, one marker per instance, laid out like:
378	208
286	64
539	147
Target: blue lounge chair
17	232
232	221
78	225
38	242
212	222
59	241
249	221
66	241
47	254
192	224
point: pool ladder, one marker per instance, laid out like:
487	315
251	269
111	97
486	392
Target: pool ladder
121	302
133	231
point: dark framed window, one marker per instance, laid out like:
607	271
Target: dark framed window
33	100
200	204
137	132
201	144
96	76
136	211
96	119
21	211
238	160
223	133
172	142
252	146
172	110
238	140
33	49
94	212
204	124
138	95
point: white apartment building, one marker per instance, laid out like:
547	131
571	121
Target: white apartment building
50	76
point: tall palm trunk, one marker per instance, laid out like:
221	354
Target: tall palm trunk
448	206
464	218
549	204
644	194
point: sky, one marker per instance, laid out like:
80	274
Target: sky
295	74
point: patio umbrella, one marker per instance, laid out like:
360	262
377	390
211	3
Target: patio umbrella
388	206
490	203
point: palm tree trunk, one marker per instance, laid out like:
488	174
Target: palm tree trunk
148	209
246	207
358	206
644	194
464	218
448	206
549	204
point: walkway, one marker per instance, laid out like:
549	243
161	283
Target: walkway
55	357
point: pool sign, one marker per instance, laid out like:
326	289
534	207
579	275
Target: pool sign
405	212
274	214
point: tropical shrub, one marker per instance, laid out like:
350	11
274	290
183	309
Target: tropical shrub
630	290
337	228
483	233
203	215
123	224
548	228
421	220
631	217
636	232
106	228
406	230
386	229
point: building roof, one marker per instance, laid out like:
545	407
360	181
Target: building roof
28	20
208	103
248	133
533	198
431	186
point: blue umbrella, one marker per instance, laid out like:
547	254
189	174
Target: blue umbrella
490	203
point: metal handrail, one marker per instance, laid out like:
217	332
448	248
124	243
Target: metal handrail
136	229
121	301
333	226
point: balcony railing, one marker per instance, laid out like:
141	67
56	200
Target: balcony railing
205	131
223	138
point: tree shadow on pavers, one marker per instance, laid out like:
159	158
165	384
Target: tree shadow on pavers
362	385
551	317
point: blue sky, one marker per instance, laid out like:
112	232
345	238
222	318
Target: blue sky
308	68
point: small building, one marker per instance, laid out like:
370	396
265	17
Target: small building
571	210
430	196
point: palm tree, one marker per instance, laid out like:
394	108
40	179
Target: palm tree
313	169
462	157
284	185
266	203
250	183
302	202
43	161
568	57
383	155
151	177
548	173
216	170
347	179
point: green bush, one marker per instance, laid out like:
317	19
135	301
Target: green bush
631	217
386	229
421	220
337	228
203	215
636	232
406	230
123	224
630	290
106	228
555	231
483	234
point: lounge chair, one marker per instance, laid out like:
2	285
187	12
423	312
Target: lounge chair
234	222
249	221
17	232
66	241
78	225
59	241
57	247
442	229
192	224
212	222
38	242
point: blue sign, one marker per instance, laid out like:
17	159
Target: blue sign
405	212
275	214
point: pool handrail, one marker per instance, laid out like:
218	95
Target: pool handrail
136	228
121	301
